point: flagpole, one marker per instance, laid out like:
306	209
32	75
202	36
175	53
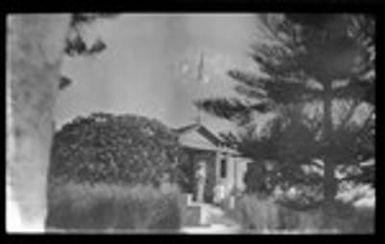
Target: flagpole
200	78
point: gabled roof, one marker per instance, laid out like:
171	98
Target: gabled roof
201	130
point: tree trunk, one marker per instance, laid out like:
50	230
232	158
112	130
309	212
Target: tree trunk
35	45
330	182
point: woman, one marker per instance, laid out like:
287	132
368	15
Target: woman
219	192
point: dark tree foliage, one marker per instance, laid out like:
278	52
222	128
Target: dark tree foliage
314	59
255	179
301	59
114	149
75	44
286	141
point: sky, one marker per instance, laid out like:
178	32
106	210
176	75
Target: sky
150	66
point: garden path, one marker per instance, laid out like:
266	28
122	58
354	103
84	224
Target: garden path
216	222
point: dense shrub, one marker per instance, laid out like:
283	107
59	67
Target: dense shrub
110	207
114	149
187	171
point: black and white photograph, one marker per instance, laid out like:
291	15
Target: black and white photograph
190	123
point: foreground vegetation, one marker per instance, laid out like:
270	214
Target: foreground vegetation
104	207
268	216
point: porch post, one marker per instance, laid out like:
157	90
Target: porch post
217	166
235	173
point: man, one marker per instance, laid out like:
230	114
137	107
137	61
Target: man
201	180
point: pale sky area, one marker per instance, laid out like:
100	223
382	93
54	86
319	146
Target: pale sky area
150	66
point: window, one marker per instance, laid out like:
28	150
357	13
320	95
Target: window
223	168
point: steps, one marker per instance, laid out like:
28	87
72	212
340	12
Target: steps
211	229
203	218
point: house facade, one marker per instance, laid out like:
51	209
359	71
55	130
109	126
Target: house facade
222	165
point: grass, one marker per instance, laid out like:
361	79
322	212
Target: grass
267	216
104	207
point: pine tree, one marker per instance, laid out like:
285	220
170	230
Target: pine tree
324	60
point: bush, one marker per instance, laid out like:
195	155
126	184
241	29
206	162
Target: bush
266	215
352	219
364	220
110	207
256	214
114	149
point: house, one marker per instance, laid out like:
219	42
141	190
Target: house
222	164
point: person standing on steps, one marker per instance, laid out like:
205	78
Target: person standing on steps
201	181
